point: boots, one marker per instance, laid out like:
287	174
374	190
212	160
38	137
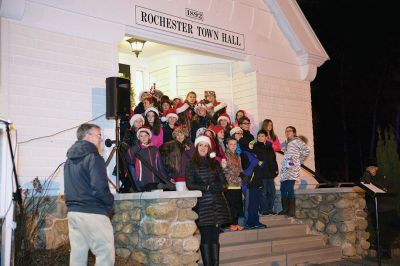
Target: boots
284	206
291	207
205	250
215	254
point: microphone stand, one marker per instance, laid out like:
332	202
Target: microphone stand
16	195
117	151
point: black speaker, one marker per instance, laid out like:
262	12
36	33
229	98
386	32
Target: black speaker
118	98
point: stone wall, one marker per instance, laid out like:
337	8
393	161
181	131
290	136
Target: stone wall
156	228
339	214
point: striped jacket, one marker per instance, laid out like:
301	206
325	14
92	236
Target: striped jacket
295	153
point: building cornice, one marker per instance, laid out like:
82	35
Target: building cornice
298	32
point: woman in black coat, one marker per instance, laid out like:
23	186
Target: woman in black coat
205	174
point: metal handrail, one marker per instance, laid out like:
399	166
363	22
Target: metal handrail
319	178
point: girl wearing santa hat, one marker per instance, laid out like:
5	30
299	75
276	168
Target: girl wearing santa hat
205	174
130	138
144	178
171	120
152	120
225	122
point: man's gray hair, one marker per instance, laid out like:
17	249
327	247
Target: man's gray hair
84	129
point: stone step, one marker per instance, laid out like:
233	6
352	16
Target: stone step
316	255
274	232
267	247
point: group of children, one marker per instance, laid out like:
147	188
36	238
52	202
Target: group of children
160	140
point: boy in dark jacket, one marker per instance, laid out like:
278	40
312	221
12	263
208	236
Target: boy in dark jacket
253	181
267	172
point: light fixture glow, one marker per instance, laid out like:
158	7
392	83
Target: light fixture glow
136	45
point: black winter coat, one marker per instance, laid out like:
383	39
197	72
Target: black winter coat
244	142
211	208
265	153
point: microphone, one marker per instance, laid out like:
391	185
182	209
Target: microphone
109	142
7	122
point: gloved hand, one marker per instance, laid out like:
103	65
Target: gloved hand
216	188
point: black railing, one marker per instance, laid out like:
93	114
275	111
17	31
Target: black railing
323	183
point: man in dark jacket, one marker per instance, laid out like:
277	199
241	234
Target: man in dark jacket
387	213
88	199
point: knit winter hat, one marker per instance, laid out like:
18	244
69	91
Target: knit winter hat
235	130
151	109
202	139
171	113
224	116
181	107
144	129
209	93
219	106
215	129
134	118
208	141
200	104
200	131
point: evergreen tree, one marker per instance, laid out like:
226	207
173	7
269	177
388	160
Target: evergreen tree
388	157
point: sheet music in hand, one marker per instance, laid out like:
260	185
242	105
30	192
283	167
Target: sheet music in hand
373	188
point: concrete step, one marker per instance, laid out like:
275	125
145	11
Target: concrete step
275	220
232	251
274	232
315	256
259	260
285	245
283	231
300	257
267	247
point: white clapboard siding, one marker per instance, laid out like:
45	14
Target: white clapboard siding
287	103
244	91
162	80
200	77
55	83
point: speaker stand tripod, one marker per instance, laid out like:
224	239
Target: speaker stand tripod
119	158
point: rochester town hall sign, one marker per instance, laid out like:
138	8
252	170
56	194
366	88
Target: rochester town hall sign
189	28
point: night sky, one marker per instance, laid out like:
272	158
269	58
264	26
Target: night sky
358	89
